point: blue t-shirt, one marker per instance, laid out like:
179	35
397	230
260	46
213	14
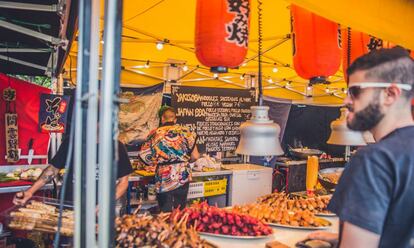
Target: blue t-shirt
376	189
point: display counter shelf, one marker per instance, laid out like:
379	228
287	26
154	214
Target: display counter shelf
286	236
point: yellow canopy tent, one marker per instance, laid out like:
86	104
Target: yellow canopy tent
173	21
389	20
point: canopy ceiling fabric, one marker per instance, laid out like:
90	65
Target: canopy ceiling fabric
389	20
146	22
29	29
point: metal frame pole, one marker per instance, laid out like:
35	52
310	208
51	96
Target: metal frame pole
92	122
29	6
30	32
81	116
19	61
108	125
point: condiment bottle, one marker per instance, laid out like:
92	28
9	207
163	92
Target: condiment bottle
312	169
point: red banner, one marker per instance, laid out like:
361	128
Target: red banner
27	108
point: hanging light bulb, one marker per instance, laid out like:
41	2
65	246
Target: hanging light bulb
185	68
288	84
327	90
345	91
309	90
275	69
147	65
160	45
242	77
215	75
270	80
244	64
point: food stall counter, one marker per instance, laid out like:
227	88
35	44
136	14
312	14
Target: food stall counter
286	236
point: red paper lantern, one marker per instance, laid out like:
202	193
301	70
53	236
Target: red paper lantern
221	35
317	51
361	44
357	47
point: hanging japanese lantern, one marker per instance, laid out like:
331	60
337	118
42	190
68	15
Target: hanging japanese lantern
221	35
316	45
354	45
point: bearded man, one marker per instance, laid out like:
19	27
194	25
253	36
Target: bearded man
374	199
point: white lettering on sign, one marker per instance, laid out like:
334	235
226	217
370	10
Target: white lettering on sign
215	114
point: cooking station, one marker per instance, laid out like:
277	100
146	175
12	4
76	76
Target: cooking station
290	171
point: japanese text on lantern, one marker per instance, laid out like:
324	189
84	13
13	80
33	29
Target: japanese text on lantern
12	144
238	28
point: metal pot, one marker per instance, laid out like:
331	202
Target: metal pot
304	153
326	183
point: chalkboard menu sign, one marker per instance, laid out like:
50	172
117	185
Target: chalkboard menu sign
214	113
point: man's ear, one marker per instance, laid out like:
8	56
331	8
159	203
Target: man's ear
391	95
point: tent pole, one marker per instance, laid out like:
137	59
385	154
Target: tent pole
82	86
91	125
108	125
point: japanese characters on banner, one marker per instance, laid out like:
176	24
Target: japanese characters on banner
238	27
11	130
53	113
222	33
19	122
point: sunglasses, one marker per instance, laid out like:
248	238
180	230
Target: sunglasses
356	89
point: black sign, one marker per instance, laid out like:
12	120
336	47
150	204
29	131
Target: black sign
214	113
53	112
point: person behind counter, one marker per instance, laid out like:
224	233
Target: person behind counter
58	162
170	148
374	197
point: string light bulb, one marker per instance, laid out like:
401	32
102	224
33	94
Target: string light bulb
215	75
185	68
270	80
147	65
159	45
309	91
244	64
242	77
327	90
275	69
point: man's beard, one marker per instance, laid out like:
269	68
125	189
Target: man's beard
367	118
